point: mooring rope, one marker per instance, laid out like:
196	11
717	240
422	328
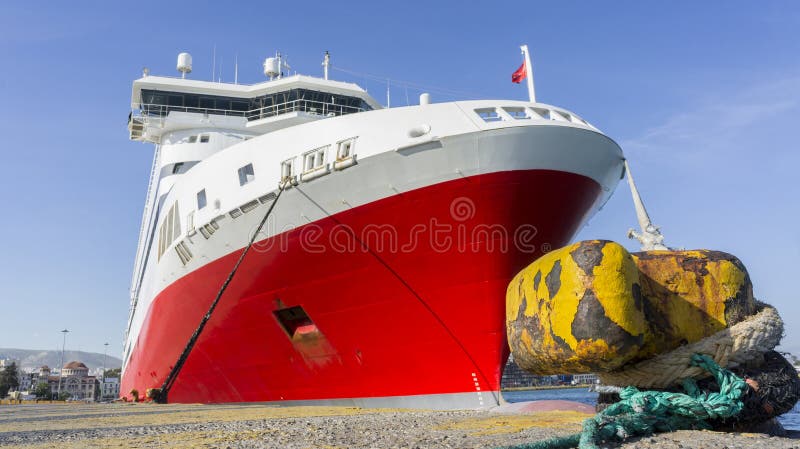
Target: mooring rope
161	394
642	413
737	345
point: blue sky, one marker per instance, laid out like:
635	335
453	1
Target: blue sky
703	97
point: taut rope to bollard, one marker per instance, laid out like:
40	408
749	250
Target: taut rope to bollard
642	413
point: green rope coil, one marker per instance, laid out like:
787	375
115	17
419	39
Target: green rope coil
642	413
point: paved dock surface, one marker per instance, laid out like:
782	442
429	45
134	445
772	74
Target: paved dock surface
266	426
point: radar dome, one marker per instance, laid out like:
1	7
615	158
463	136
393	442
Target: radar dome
184	64
272	67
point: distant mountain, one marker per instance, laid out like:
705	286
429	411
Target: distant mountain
31	359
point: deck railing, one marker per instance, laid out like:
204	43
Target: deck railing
307	106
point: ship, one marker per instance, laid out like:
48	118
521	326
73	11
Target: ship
379	240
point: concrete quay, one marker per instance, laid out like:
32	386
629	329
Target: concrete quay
128	425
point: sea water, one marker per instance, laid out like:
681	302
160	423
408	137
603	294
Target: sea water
790	421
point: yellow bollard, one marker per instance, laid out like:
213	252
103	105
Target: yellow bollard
691	295
594	307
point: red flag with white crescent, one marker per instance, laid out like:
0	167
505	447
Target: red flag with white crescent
519	75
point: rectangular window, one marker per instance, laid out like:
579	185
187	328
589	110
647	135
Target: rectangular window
177	168
560	116
246	174
489	115
314	159
206	103
183	252
308	162
168	225
161	240
345	153
192	139
287	169
176	225
204	138
170	230
201	199
344	149
517	113
541	113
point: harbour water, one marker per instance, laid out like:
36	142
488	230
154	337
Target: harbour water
790	421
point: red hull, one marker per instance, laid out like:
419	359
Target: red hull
416	318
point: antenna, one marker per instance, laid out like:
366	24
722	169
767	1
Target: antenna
285	64
388	95
326	62
214	63
236	68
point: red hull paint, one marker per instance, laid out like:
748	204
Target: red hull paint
391	322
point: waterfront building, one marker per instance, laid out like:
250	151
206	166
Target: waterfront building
109	388
43	375
77	381
28	380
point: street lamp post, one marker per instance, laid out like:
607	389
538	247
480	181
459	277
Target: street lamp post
105	351
61	366
103	387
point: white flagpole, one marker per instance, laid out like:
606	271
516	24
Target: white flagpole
529	73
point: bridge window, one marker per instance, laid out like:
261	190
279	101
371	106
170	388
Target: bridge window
204	138
246	174
268	105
